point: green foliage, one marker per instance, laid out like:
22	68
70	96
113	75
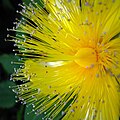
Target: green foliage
20	113
7	96
40	2
6	60
30	114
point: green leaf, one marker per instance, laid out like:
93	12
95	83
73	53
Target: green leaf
30	114
40	2
20	113
6	60
7	97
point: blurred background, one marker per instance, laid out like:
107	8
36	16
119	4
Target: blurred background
9	109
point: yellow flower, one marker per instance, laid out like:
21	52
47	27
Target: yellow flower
71	59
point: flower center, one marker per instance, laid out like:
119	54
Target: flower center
86	57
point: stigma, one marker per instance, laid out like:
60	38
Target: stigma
86	57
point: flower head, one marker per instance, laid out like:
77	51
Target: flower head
71	59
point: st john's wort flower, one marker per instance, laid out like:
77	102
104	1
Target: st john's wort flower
71	59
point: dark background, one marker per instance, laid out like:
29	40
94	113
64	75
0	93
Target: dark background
9	109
